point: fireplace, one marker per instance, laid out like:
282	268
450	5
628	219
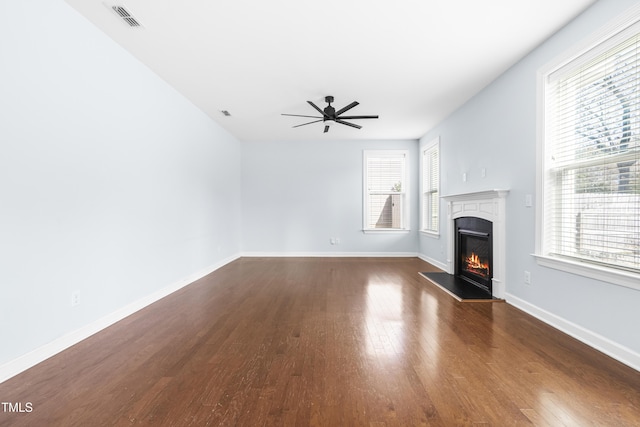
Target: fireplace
474	251
488	205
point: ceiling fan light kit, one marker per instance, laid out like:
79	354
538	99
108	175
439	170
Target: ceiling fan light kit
330	116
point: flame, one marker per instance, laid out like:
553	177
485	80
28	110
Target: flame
475	265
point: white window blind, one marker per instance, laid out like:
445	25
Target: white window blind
592	156
385	190
431	188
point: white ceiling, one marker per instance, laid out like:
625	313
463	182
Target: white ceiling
412	62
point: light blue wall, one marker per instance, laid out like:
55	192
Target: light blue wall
297	195
496	130
114	185
111	183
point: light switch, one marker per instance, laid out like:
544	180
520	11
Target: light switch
528	200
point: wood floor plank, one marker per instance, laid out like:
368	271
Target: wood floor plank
325	342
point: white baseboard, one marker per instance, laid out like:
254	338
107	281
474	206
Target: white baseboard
28	360
592	339
330	254
442	266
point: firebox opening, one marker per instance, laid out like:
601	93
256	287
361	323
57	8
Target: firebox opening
474	251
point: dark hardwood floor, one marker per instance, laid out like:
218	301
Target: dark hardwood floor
326	342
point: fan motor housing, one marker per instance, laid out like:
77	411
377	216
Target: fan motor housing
330	111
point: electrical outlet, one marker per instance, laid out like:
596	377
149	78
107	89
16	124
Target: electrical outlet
75	298
527	277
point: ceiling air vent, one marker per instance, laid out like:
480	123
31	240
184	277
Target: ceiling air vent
126	16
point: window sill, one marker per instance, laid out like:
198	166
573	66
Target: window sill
610	275
385	231
432	234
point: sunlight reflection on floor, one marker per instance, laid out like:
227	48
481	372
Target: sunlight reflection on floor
384	322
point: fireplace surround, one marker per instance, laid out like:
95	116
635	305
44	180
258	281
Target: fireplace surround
474	251
489	206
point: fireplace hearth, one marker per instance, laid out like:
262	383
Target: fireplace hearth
474	251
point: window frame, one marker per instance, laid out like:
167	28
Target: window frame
405	191
603	40
425	193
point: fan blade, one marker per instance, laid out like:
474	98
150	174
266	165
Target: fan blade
304	124
317	108
358	117
348	107
300	115
342	122
326	129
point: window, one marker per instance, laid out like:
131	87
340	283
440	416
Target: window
589	172
431	187
385	190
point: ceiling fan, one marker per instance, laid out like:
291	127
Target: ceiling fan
329	115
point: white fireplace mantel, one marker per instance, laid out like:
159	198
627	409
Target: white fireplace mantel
489	205
487	194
